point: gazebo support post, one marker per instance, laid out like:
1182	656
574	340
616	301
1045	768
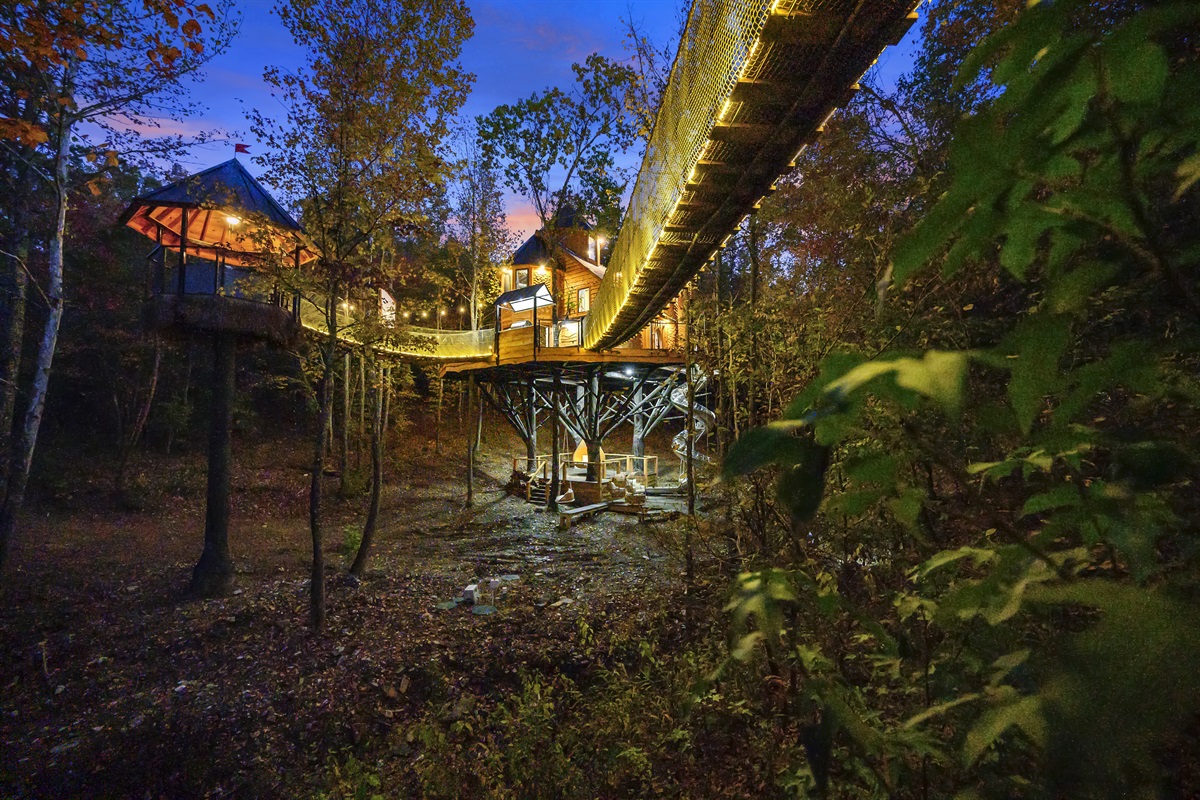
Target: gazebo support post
214	572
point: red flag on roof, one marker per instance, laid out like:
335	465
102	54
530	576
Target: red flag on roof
241	148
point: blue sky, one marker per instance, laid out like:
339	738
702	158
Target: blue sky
519	47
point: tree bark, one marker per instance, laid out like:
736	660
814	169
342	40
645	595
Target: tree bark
638	446
364	547
556	435
317	575
362	408
387	408
722	415
691	423
437	424
18	478
14	286
470	444
531	424
187	387
344	458
13	291
132	436
752	387
479	420
213	573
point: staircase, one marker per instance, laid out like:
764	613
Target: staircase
537	491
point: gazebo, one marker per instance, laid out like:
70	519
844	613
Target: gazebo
219	235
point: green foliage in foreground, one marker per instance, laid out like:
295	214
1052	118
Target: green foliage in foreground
1036	492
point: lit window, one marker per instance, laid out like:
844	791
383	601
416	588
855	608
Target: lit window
585	300
506	282
522	276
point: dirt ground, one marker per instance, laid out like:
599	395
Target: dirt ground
115	685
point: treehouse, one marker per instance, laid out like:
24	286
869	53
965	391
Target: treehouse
219	239
547	292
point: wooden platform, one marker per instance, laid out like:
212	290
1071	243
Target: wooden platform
525	346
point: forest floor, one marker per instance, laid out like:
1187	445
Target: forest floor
116	685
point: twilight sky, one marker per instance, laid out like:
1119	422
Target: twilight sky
519	47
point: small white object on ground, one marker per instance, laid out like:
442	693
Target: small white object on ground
471	593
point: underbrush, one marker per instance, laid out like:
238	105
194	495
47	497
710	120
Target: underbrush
647	720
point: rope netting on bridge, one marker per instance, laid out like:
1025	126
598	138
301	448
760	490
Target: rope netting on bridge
754	81
718	42
409	341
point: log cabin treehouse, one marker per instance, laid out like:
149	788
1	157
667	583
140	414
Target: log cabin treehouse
547	289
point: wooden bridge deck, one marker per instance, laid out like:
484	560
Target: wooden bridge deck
524	346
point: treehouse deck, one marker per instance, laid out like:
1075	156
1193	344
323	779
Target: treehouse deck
531	346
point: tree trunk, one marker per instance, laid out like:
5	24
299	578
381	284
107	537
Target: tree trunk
364	547
555	436
13	291
478	420
531	425
344	458
187	387
593	454
387	408
691	424
214	572
362	409
638	446
14	285
317	576
752	387
470	444
18	478
722	417
437	424
133	435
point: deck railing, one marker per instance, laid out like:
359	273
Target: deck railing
644	468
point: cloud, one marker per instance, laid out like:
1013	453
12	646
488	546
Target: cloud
520	217
161	126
